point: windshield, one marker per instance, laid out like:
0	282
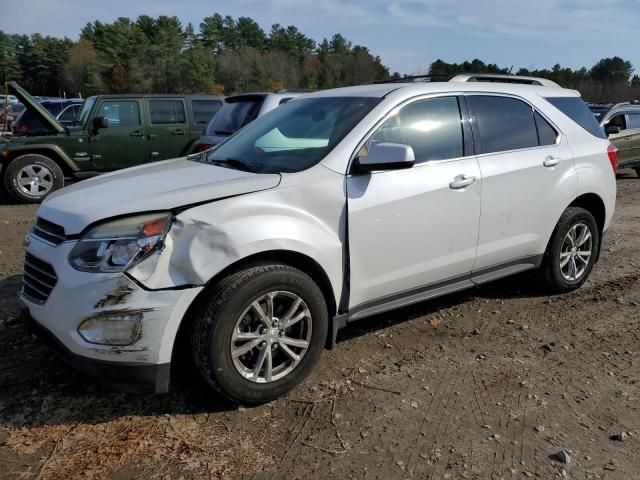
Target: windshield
86	108
294	136
235	114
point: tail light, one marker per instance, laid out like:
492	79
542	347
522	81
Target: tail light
612	152
203	147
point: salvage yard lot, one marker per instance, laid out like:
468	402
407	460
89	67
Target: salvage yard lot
484	384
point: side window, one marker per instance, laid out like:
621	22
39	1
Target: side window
618	121
503	123
204	110
634	120
433	128
120	113
547	135
166	112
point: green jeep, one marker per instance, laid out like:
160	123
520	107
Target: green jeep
113	132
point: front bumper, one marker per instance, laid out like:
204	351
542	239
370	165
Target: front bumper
142	366
125	376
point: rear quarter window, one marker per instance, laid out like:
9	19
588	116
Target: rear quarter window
577	110
204	110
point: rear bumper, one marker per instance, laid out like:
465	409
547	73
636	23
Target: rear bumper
128	377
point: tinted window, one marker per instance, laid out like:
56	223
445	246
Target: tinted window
547	135
577	110
235	114
503	123
634	120
166	112
121	113
433	128
204	110
294	136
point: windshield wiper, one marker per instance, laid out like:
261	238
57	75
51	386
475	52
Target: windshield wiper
238	164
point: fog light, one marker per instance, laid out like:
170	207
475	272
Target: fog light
112	329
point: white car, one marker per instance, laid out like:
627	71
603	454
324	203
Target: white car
337	206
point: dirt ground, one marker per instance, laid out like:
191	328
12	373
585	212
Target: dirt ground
486	384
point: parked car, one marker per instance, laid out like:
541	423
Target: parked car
238	111
113	132
599	109
335	207
9	113
622	124
30	123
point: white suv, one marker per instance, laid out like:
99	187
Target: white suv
334	207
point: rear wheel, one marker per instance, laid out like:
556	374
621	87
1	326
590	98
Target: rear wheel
30	178
571	252
638	171
260	333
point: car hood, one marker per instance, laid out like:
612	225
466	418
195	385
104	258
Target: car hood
32	104
166	185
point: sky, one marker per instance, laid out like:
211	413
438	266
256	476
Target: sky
407	34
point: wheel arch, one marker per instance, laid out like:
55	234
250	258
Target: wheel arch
594	204
291	258
53	152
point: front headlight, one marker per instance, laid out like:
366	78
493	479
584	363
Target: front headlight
120	244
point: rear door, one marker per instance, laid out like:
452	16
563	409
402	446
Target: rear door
527	180
168	130
123	143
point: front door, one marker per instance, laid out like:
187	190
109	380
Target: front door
168	129
123	143
623	140
414	230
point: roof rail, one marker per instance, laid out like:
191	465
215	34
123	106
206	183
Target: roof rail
491	77
417	78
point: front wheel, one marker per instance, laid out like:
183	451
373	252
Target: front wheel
260	333
571	252
30	178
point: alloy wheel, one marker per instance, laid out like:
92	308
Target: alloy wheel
576	252
34	179
271	337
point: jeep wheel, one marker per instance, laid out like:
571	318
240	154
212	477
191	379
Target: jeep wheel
571	252
260	332
30	178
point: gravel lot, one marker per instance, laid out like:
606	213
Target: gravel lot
487	384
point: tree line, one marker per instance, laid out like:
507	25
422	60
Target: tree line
223	56
609	80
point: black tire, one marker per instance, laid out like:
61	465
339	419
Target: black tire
216	320
638	171
550	273
48	170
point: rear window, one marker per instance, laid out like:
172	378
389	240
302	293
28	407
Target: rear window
577	110
204	110
235	114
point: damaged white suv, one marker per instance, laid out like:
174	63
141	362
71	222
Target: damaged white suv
334	207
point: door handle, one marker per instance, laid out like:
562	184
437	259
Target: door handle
152	136
137	133
551	161
178	131
462	181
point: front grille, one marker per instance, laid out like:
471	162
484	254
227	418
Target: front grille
49	231
38	279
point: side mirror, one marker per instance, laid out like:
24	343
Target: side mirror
386	156
100	122
612	129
